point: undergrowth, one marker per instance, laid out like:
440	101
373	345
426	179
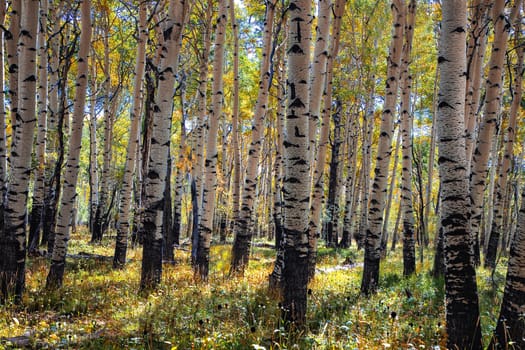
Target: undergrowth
101	308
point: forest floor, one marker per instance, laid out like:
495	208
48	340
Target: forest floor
101	308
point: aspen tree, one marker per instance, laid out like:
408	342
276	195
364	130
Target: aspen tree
62	230
384	149
409	253
461	299
3	120
121	243
244	225
296	182
314	230
39	181
236	183
209	184
160	141
13	240
491	112
505	165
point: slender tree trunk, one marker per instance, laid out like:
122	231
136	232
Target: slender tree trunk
11	40
244	226
332	203
121	244
461	299
236	183
99	226
201	133
492	109
54	153
160	144
39	184
58	260
3	120
275	278
409	252
209	185
476	45
93	167
351	185
511	326
390	197
377	201
296	182
13	240
314	231
504	168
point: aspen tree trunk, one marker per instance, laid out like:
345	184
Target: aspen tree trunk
160	141
296	182
377	201
366	151
275	278
245	224
236	183
39	180
11	41
13	240
390	197
314	231
409	252
476	46
511	326
431	160
492	108
209	185
201	133
58	260
496	228
176	227
332	205
93	168
318	75
461	299
3	120
54	154
121	244
351	185
99	226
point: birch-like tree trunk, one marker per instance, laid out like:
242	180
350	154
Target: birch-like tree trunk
296	182
244	226
121	244
93	152
11	44
314	231
99	225
209	185
476	45
197	170
37	208
54	154
236	182
511	326
384	149
13	240
504	168
409	252
3	120
62	229
492	108
461	299
160	143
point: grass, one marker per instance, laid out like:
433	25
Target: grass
101	308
